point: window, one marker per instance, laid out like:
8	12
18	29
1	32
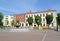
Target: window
46	14
34	25
27	16
44	25
26	19
22	24
34	15
51	13
52	24
40	14
43	15
11	17
26	24
41	24
6	18
31	15
43	19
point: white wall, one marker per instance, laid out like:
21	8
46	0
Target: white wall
44	22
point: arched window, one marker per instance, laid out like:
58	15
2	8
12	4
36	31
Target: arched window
26	24
44	25
22	24
52	14
43	15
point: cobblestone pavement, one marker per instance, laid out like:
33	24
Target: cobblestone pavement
30	36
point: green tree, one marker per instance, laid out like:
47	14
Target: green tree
1	17
13	23
1	23
58	19
49	19
30	20
17	22
7	22
38	20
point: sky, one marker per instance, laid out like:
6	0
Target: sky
8	7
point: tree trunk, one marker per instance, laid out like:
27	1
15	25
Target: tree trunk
38	26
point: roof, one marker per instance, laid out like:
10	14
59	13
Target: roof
30	12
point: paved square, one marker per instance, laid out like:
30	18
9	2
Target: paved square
30	36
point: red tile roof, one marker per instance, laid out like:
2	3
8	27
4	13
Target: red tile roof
30	12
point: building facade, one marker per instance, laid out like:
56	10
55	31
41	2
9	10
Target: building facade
23	18
8	20
43	15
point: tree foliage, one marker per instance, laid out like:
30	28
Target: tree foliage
38	20
17	21
49	19
1	23
58	18
13	23
1	17
30	20
7	22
